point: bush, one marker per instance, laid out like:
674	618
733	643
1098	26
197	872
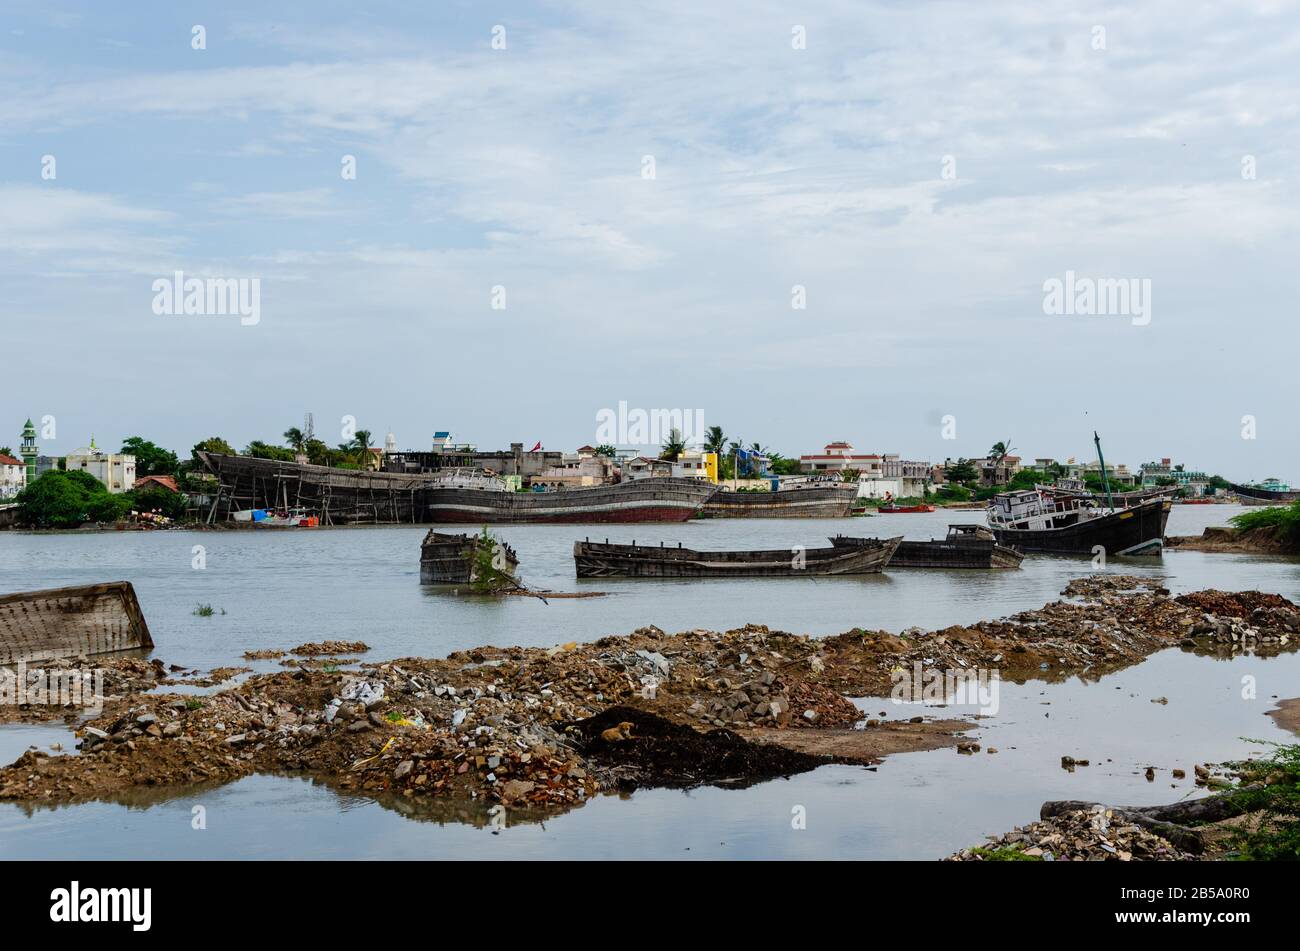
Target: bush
60	499
1285	519
1277	836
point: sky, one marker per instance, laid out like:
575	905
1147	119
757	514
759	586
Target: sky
803	223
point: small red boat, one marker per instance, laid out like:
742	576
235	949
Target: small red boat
890	509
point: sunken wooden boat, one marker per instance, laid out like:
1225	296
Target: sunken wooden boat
637	500
1029	521
825	501
71	622
967	546
454	559
603	560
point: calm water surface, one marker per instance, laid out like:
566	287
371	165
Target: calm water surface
279	589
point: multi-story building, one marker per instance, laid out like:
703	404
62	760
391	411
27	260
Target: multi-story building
117	472
13	476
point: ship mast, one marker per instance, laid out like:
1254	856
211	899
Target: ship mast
1105	483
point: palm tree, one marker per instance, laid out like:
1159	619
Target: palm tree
361	444
998	451
714	440
295	438
673	446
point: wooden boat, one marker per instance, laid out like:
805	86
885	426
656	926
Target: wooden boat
603	560
637	500
351	495
893	509
967	546
818	501
70	622
452	559
1268	492
1029	521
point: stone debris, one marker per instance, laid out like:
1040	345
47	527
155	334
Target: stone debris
1094	835
320	648
510	724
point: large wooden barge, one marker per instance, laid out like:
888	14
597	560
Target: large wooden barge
823	501
967	546
638	500
603	560
453	559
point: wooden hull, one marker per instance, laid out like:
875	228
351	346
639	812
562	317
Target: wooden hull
1139	529
1247	495
986	554
896	509
449	559
826	502
335	495
69	622
597	560
640	500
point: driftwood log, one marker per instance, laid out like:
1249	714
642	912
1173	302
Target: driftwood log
1167	821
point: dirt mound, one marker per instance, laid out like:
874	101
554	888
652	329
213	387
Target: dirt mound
659	752
1238	604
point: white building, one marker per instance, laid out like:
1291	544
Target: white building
117	472
13	476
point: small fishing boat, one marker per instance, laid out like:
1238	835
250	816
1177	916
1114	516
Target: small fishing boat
69	622
892	509
271	518
967	546
603	560
454	559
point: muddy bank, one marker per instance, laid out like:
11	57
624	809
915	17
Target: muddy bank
547	729
1287	714
1263	540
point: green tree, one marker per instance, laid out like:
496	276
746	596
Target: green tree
149	458
296	438
605	449
261	450
673	446
60	499
6	451
214	444
714	440
155	498
961	471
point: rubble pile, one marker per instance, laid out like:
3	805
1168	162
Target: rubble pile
515	725
320	648
1094	835
118	677
1243	618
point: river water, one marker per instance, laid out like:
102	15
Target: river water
281	588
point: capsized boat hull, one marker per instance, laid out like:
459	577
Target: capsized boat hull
69	622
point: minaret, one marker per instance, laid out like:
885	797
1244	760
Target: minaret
28	451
